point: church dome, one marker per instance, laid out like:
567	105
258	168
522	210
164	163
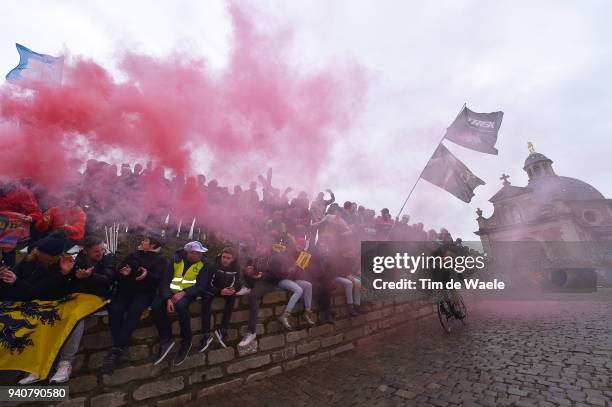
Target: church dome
534	158
563	188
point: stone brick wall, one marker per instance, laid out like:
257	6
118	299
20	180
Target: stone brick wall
136	382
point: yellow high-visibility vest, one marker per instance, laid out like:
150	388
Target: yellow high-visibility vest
184	279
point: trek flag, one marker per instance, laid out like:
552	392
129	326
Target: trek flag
13	229
32	333
446	171
36	67
477	131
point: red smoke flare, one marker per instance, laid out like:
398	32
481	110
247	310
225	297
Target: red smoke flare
260	111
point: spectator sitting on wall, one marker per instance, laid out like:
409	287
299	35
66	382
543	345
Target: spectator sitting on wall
92	274
264	274
42	275
138	277
224	281
183	282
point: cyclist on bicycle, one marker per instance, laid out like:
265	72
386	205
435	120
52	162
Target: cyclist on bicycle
444	275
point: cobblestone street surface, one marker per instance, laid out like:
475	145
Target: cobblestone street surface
541	353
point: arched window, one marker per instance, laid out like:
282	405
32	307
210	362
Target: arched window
516	214
537	170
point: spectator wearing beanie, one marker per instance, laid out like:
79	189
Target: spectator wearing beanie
42	275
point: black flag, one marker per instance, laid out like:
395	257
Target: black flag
477	131
446	171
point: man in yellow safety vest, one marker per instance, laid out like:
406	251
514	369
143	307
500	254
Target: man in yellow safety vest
182	284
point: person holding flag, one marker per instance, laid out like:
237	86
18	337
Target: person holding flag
92	274
42	275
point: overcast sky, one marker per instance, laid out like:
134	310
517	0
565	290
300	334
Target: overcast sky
546	64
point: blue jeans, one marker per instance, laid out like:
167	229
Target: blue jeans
298	288
71	346
352	290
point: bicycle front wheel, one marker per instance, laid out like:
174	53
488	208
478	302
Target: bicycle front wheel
461	309
445	316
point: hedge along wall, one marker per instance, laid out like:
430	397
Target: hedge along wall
136	382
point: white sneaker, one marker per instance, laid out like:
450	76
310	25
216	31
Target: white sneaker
62	375
220	338
243	291
205	343
248	338
29	379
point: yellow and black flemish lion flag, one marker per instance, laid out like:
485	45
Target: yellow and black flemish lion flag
33	332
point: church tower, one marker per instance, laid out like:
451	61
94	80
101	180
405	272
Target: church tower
537	165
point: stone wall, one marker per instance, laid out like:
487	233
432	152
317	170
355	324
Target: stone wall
136	382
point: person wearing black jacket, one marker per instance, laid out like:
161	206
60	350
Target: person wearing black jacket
262	275
183	282
42	275
322	278
138	278
92	274
224	281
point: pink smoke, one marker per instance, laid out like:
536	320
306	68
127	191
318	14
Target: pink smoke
261	111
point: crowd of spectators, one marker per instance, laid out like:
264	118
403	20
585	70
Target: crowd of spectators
261	239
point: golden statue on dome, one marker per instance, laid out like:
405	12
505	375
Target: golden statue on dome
530	147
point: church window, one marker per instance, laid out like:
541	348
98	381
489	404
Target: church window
516	214
537	170
591	216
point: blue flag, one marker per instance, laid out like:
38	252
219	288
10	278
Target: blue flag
36	67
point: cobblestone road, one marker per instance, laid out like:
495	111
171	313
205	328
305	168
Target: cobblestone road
510	353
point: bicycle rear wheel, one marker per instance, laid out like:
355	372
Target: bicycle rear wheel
445	316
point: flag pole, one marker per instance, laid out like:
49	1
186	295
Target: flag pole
419	178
